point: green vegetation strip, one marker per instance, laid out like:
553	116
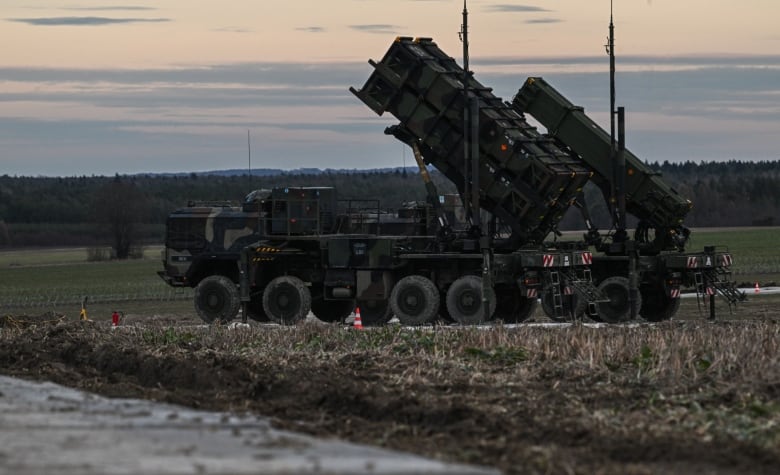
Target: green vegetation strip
45	278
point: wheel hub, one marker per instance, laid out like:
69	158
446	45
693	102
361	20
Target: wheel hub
468	302
412	301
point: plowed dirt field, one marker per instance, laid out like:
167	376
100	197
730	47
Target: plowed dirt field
681	397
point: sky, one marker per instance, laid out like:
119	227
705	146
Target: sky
92	87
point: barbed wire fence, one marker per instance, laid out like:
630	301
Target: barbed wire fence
53	297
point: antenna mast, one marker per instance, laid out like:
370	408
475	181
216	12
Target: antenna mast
618	169
611	52
471	167
464	37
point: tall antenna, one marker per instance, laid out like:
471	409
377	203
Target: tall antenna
471	165
617	148
464	37
612	150
249	151
611	51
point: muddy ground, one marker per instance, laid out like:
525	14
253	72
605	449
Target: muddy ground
678	398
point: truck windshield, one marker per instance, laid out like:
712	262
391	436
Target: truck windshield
186	233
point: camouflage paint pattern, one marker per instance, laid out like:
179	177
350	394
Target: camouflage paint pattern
204	230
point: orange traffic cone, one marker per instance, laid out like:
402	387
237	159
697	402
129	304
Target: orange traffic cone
758	289
358	323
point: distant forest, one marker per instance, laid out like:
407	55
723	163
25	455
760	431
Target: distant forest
41	211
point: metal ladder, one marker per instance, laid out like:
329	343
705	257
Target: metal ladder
720	279
557	299
698	279
583	286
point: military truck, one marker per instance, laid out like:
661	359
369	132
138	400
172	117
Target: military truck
305	255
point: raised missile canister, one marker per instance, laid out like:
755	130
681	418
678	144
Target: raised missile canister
525	179
649	197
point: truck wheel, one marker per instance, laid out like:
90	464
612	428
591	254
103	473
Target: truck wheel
332	311
374	313
217	299
255	310
286	300
464	301
511	307
415	300
657	305
618	308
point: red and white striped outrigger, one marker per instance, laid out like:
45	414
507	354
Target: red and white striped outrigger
708	272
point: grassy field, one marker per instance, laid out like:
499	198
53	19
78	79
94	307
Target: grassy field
58	280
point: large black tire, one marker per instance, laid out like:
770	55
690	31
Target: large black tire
374	313
464	301
286	300
657	305
217	299
255	310
511	306
618	308
415	300
332	311
568	301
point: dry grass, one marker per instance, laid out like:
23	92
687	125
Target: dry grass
527	399
735	352
679	354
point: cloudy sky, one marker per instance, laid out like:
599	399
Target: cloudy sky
132	86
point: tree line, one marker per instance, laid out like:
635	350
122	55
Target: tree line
87	210
732	193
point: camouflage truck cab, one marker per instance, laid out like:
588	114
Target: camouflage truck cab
203	243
